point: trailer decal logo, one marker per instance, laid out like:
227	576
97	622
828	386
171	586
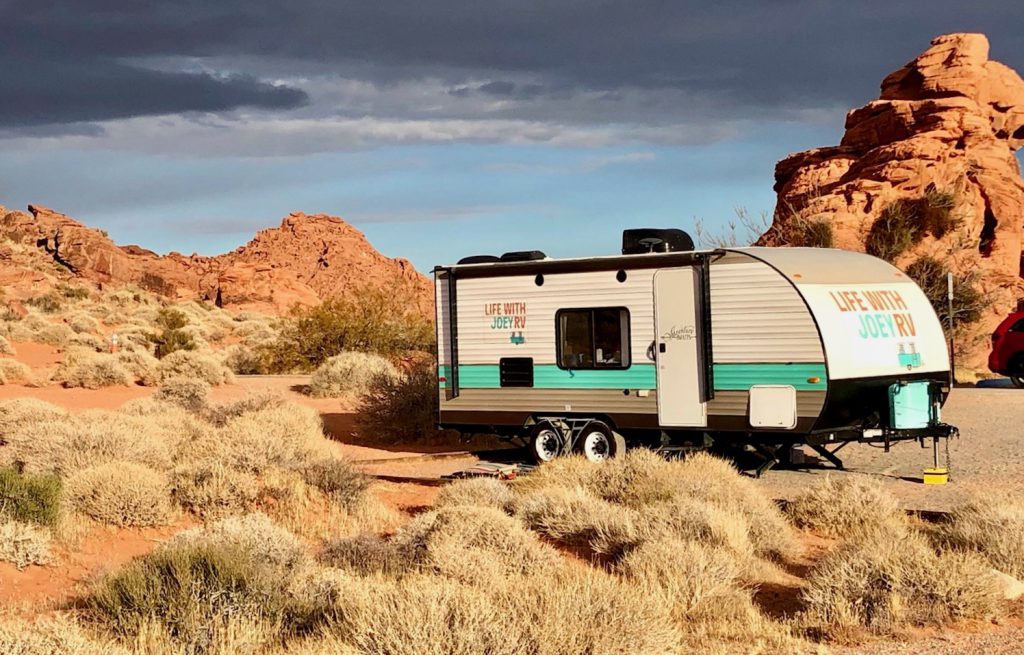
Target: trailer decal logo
509	316
878	313
685	333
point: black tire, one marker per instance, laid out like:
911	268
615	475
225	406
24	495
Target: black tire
545	441
1018	381
598	442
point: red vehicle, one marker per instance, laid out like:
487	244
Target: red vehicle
1007	356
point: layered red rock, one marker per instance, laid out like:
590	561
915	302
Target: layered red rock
950	120
307	259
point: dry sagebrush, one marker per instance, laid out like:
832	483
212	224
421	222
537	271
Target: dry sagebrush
121	494
195	365
349	373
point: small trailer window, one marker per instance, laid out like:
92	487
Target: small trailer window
593	338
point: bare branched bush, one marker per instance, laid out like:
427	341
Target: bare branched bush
402	408
968	302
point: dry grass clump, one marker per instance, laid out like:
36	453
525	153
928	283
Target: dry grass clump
337	478
23	543
476	492
5	347
120	493
210	489
992	525
141	365
195	365
188	393
349	373
286	436
12	371
581	520
58	635
20	413
53	334
82	323
97	371
365	554
844	505
220	414
473	544
255	534
883	583
64	443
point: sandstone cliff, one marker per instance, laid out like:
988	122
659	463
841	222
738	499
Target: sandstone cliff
307	259
926	171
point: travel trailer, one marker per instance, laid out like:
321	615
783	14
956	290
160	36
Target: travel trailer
675	347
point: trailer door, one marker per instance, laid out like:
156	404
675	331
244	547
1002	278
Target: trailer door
678	350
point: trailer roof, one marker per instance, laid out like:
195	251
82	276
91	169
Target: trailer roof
801	265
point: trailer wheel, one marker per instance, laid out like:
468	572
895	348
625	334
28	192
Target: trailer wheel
546	442
1017	371
599	442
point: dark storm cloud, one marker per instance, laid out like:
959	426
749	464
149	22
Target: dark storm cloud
70	61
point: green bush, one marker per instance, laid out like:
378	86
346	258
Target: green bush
49	303
172	338
190	590
402	408
814	233
29	498
72	292
368	320
904	221
968	302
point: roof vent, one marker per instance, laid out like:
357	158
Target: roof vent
523	256
646	240
478	259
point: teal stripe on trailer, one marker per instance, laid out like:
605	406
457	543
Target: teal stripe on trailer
740	377
728	377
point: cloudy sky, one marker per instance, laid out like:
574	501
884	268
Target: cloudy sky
440	128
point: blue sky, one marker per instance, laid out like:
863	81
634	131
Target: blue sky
440	128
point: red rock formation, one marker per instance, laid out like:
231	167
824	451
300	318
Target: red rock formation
948	122
306	259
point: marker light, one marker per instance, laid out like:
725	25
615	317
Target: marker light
814	380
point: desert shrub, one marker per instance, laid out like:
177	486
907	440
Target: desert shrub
18	414
72	292
212	490
637	479
47	303
287	436
369	319
255	331
189	597
893	233
349	373
50	636
195	365
968	302
688	518
120	493
366	554
63	444
23	543
403	408
243	360
882	583
53	334
846	505
81	323
812	233
476	492
13	371
29	498
338	479
5	347
704	589
473	544
90	341
992	525
97	371
579	612
141	365
253	534
581	520
172	338
220	414
189	393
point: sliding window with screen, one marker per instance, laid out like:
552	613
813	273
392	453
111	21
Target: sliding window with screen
593	338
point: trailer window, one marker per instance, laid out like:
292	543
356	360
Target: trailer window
593	338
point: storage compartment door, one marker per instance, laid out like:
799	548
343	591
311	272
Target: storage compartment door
678	348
